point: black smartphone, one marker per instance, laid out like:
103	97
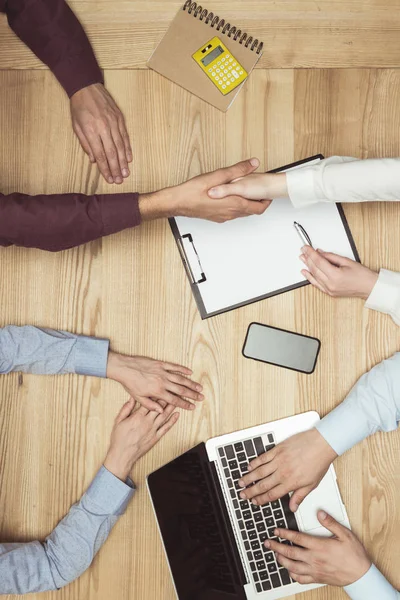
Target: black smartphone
281	348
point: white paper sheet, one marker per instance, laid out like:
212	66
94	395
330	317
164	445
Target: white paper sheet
258	255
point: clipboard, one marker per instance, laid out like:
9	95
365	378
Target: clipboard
219	285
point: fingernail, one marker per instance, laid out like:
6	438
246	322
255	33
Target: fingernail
118	180
322	515
267	544
110	180
242	495
199	387
249	467
241	482
254	162
276	532
212	192
201	396
302	258
125	172
192	407
295	507
304	249
254	502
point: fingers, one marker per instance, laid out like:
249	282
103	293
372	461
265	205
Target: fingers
125	411
332	525
184	381
260	474
111	155
274	493
313	281
120	146
176	400
336	259
168	425
184	392
303	579
300	539
319	266
298	497
176	368
289	552
84	142
229	189
151	405
263	459
233	172
125	138
100	156
257	207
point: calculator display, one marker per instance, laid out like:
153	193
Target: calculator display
210	57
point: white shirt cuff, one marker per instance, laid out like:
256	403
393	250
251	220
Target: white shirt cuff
300	185
372	586
385	295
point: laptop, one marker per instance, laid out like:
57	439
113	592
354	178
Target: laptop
213	539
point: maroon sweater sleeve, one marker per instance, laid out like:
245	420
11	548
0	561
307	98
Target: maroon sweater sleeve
51	30
63	221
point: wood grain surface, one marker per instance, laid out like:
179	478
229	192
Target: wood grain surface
302	33
132	288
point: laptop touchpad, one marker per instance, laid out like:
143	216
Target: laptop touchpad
325	497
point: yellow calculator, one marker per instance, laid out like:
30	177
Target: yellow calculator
220	66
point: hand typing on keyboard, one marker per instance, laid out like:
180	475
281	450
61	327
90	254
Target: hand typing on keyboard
339	560
296	465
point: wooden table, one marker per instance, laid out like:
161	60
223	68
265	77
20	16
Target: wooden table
132	288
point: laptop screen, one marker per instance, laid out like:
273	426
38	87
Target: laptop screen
194	525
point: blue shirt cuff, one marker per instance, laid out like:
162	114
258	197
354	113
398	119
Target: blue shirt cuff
109	493
91	355
372	586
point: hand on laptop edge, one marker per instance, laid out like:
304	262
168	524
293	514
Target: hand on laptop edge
150	381
192	199
339	560
295	465
134	433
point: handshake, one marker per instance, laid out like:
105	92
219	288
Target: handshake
219	196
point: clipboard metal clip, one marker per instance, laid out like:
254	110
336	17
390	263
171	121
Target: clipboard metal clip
185	259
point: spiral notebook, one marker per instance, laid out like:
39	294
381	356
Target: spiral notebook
191	29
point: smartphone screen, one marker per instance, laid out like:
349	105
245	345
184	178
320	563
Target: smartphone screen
281	348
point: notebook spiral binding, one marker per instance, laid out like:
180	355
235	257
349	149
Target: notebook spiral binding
215	21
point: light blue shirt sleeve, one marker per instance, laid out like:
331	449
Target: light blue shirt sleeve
372	586
49	352
372	405
71	547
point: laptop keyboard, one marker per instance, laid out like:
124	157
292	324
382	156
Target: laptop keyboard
257	523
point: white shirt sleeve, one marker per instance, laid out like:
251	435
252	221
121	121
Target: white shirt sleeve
385	295
372	586
345	179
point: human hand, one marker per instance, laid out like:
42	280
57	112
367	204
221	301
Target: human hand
191	199
148	381
134	433
339	560
101	130
295	465
256	186
336	275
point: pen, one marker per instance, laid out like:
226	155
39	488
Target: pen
302	233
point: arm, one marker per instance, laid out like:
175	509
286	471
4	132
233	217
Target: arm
63	221
71	547
372	405
340	560
51	30
334	179
299	463
49	352
69	550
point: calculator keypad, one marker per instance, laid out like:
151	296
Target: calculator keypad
225	72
